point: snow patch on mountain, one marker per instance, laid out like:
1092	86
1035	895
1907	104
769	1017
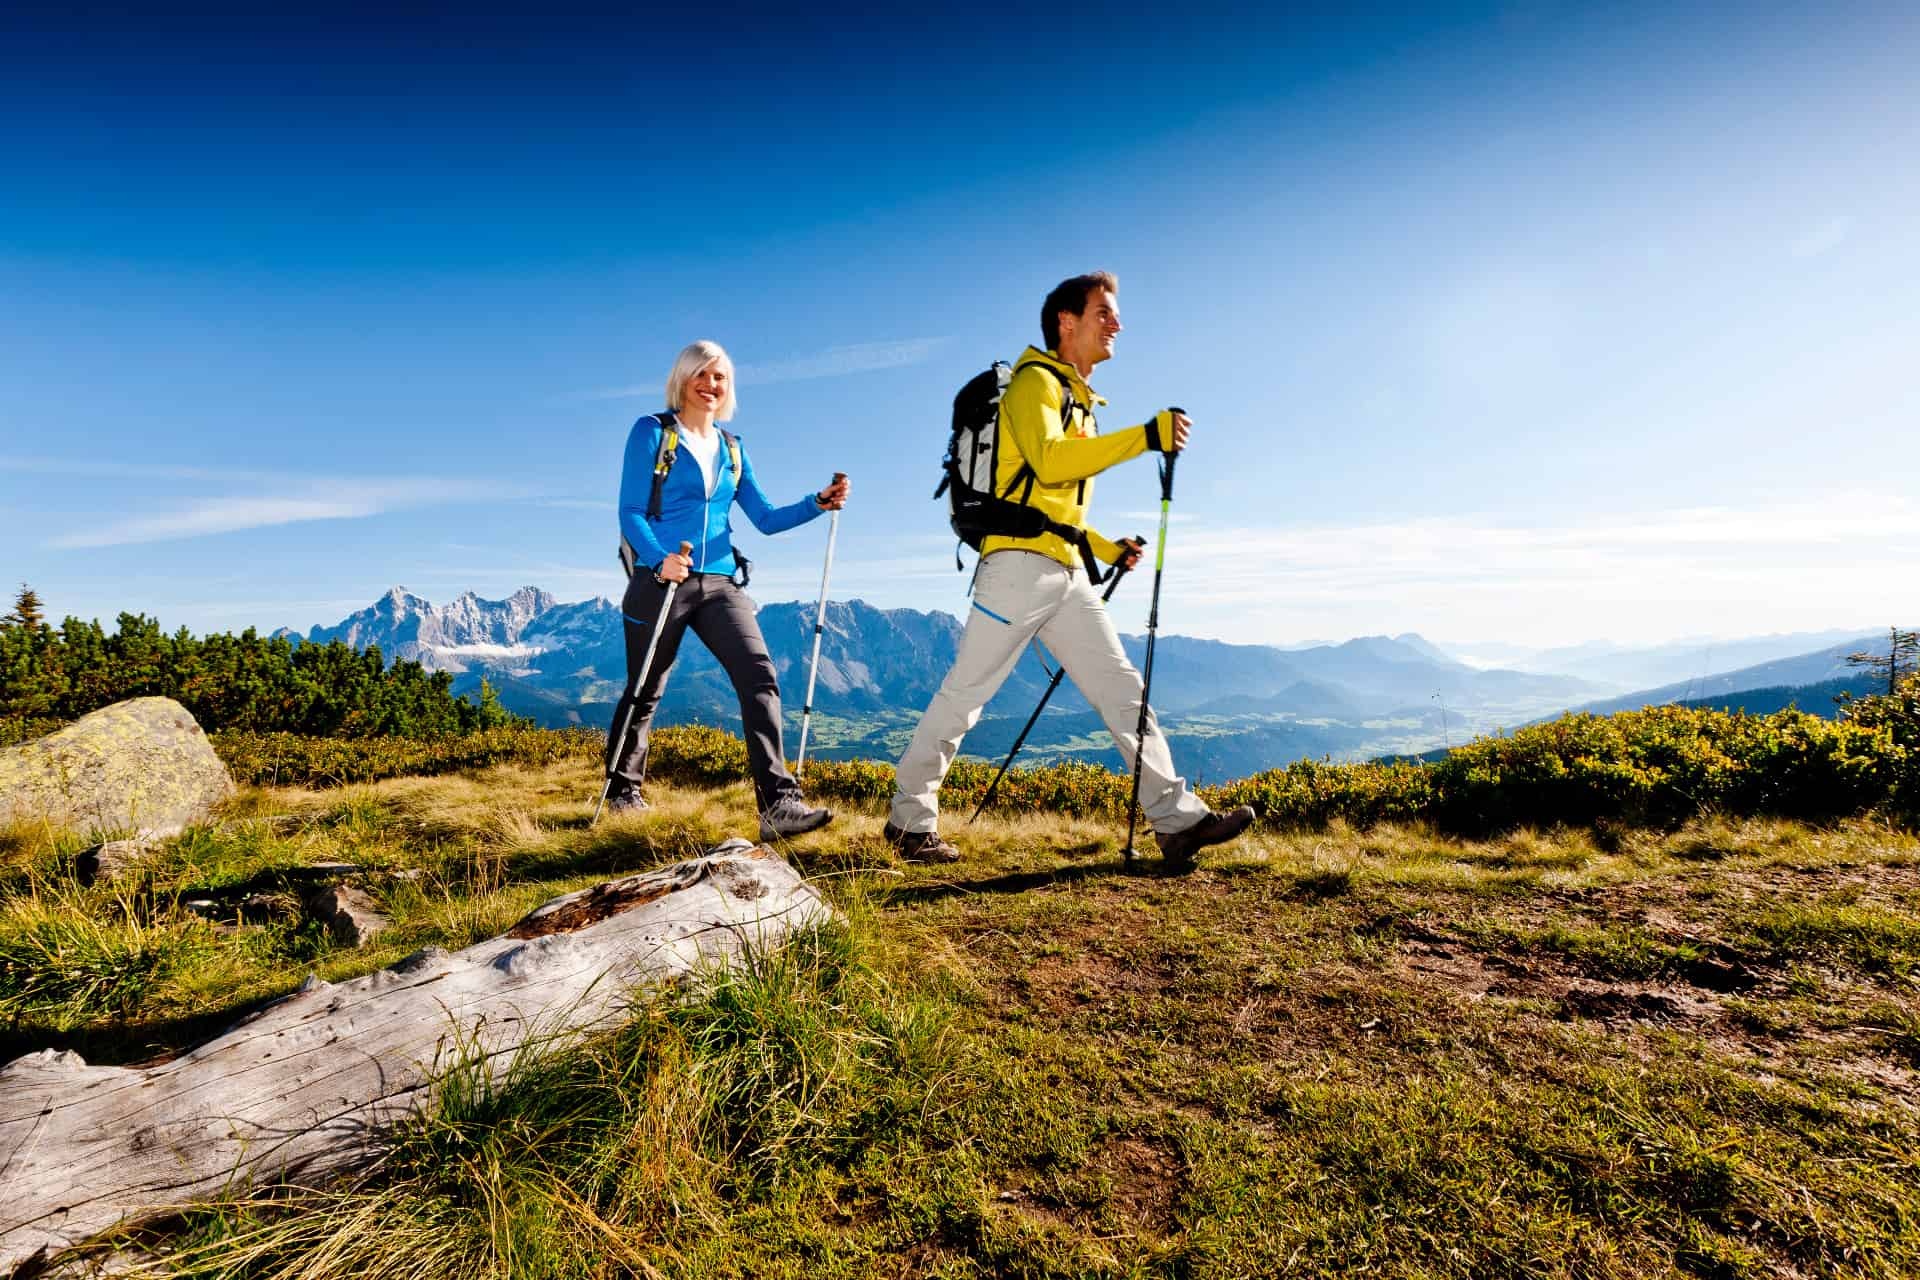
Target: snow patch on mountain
464	633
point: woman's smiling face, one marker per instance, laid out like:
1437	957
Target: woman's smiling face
708	388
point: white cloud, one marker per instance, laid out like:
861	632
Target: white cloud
834	362
1789	564
322	500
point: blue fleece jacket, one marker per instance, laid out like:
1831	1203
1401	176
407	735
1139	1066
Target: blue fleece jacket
687	514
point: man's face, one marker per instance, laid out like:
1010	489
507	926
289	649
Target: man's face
1087	339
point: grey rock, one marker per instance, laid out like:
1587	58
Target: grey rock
350	914
112	860
137	766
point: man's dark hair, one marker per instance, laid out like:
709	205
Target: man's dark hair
1070	296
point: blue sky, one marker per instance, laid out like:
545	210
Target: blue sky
1530	322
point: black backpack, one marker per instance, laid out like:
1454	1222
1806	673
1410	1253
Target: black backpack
975	511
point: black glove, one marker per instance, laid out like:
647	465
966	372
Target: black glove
1160	431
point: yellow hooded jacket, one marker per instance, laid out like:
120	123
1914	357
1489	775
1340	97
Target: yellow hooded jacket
1065	456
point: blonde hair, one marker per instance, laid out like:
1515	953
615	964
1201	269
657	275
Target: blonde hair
694	357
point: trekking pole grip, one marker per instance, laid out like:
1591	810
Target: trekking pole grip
1119	572
686	549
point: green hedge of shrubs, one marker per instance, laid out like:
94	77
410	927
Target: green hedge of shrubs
1655	767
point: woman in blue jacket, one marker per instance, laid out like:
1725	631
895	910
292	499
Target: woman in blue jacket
702	472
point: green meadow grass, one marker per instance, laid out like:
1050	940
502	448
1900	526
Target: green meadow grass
1386	1052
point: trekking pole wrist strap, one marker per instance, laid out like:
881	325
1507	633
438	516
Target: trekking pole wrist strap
1159	430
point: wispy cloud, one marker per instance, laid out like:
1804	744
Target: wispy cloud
834	362
321	500
128	470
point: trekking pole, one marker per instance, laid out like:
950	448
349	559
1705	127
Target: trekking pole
994	786
1153	628
632	691
819	621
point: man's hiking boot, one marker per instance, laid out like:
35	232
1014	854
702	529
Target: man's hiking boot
1178	850
919	846
791	815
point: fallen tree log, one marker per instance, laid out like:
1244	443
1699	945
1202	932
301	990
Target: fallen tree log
301	1087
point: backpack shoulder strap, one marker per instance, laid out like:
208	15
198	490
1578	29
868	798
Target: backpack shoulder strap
733	453
663	460
1066	383
1025	476
1068	401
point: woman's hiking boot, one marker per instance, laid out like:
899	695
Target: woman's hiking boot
791	815
626	799
1178	849
919	846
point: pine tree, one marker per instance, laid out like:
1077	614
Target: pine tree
28	612
1903	651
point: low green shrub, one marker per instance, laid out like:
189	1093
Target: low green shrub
1309	794
294	759
1658	766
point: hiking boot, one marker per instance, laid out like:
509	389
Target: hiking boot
919	846
626	800
1178	849
791	815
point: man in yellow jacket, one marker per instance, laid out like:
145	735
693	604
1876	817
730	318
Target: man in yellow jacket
1049	449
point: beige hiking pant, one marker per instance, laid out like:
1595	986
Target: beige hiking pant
1018	595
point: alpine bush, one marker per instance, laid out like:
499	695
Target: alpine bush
243	682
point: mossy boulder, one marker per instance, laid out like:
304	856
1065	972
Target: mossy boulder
142	765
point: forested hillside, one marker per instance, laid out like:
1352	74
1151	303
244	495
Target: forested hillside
241	682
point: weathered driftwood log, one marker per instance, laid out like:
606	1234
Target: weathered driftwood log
140	765
302	1086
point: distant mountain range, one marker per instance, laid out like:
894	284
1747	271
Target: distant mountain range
1626	667
1802	670
1229	709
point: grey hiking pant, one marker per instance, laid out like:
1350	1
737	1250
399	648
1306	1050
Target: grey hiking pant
722	616
1018	595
